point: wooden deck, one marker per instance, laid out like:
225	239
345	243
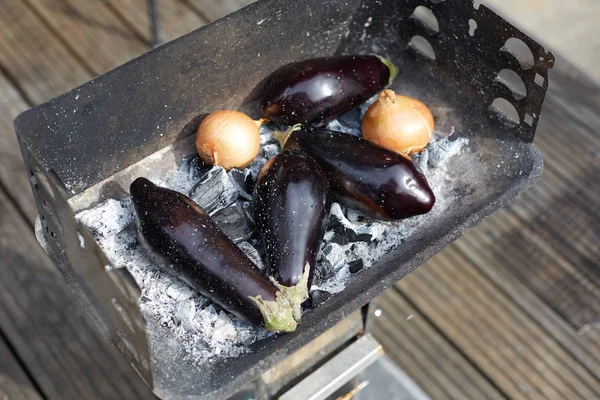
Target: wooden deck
510	311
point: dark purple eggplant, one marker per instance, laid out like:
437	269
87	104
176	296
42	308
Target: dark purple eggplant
291	209
380	183
180	232
318	90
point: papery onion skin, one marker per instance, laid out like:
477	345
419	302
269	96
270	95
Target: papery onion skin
317	90
398	123
380	183
229	139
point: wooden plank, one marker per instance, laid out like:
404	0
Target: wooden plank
215	9
175	17
478	248
96	37
13	177
567	368
500	340
41	65
14	382
57	344
426	355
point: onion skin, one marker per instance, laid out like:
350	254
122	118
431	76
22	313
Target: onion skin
398	123
315	91
291	210
228	138
194	249
379	183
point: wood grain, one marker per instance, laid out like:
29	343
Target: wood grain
14	382
215	9
13	177
33	57
426	355
488	319
175	17
90	30
526	279
56	343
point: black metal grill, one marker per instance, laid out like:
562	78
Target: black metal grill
90	139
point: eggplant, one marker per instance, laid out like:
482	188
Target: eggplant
379	183
317	90
291	209
189	241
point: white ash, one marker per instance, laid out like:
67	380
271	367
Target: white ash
206	331
384	236
350	122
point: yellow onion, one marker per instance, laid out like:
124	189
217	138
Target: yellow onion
398	123
228	138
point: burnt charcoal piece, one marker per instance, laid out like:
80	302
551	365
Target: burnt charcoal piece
214	190
379	183
238	178
318	90
291	206
195	250
326	250
195	166
234	223
356	266
318	297
343	230
253	254
323	271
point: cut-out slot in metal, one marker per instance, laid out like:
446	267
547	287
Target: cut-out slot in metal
472	27
514	82
505	110
528	120
518	49
427	18
539	80
421	46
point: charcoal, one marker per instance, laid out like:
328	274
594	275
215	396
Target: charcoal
270	150
356	266
347	123
420	160
253	170
238	178
248	211
343	232
318	297
184	313
234	223
195	166
252	253
323	271
214	191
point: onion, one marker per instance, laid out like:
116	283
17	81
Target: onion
398	123
228	138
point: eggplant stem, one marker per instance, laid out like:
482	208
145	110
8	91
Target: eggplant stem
277	315
296	294
283	136
393	69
